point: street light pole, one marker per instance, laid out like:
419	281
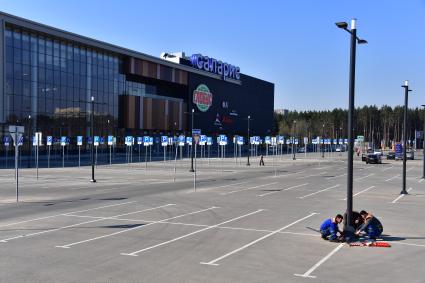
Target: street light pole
423	147
293	142
406	99
93	180
191	147
348	229
29	142
323	140
249	148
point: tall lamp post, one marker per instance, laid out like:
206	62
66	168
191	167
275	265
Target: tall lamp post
191	147
93	180
348	229
29	141
406	100
323	140
293	142
249	146
423	147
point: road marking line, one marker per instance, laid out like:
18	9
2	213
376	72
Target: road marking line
407	244
314	175
224	186
421	180
409	169
400	196
365	190
336	176
320	191
246	189
56	215
371	174
314	267
77	224
387	168
214	262
130	229
396	176
190	234
287	189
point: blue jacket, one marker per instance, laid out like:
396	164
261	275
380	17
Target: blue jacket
328	225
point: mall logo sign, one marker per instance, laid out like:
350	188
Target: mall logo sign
202	97
215	66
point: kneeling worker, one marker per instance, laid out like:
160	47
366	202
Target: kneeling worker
372	226
329	228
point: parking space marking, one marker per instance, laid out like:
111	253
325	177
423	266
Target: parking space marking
365	190
131	229
77	224
246	189
190	234
329	178
214	261
62	214
364	177
396	176
223	186
324	190
287	189
314	267
388	168
314	175
401	195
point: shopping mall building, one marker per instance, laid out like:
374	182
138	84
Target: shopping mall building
48	76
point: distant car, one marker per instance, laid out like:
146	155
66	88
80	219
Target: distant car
338	149
391	155
373	158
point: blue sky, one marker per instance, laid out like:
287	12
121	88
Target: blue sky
293	44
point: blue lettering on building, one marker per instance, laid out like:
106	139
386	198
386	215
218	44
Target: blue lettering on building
215	66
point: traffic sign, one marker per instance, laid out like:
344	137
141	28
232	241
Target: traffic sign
209	141
110	140
96	140
240	140
150	140
189	140
203	140
146	140
128	140
223	140
196	132
139	140
6	141
79	140
281	139
267	140
102	140
63	141
164	140
181	140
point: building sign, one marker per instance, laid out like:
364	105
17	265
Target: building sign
202	97
212	65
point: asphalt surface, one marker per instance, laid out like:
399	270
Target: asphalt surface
148	223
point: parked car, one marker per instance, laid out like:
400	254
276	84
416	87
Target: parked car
391	155
373	158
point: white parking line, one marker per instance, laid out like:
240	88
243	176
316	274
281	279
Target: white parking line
396	176
214	262
246	189
287	189
388	168
78	224
365	190
72	212
401	195
224	186
324	190
364	177
190	234
329	178
314	267
131	229
314	175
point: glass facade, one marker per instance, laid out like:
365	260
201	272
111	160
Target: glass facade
49	82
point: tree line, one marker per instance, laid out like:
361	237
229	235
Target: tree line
380	126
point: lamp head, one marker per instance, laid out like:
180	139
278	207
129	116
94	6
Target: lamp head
361	41
342	25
